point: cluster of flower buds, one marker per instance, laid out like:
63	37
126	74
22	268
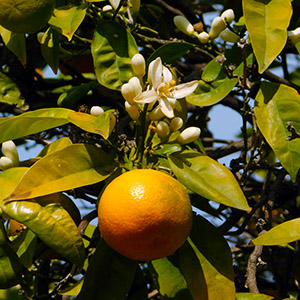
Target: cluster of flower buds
11	156
294	36
218	28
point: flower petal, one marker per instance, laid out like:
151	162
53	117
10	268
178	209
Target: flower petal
155	72
166	107
167	75
146	97
184	89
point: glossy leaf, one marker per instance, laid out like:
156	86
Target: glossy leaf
215	83
208	178
66	19
70	97
32	122
171	51
252	296
267	23
72	167
283	233
109	275
16	43
50	48
112	49
206	263
73	290
99	125
9	91
169	280
10	267
276	105
55	146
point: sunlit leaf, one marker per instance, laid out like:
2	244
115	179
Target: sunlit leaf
9	91
66	19
50	48
74	166
109	275
215	84
267	23
276	105
171	51
208	178
252	296
32	122
283	233
73	290
206	263
99	125
16	43
55	146
112	49
169	280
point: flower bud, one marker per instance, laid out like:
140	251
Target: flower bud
162	129
203	37
107	8
6	163
96	111
228	16
184	25
136	85
9	149
188	135
156	114
229	36
131	89
39	37
138	65
217	26
132	110
294	36
176	124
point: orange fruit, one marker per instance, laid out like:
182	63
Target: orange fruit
145	214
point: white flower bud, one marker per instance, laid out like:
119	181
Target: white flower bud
9	149
39	37
188	135
107	8
176	124
132	110
228	16
229	36
162	129
6	163
156	114
131	89
294	36
136	85
96	111
217	26
184	25
203	37
138	65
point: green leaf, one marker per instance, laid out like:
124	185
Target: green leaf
16	43
55	146
169	280
112	49
74	289
267	23
252	296
109	275
276	105
283	233
74	94
99	125
50	48
171	51
9	91
32	122
206	262
208	178
66	19
215	84
24	245
85	165
10	267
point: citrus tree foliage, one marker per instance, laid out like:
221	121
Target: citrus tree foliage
135	83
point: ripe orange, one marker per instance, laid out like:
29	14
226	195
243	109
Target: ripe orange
25	16
145	214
